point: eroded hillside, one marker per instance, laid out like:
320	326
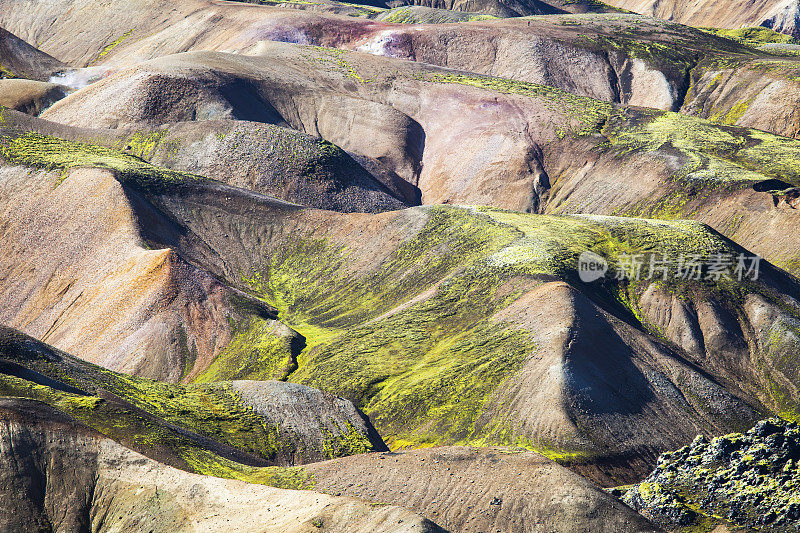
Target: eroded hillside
59	475
272	241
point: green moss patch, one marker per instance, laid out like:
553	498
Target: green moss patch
350	442
258	351
334	59
43	151
153	437
212	410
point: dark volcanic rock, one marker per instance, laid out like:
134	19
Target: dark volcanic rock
750	479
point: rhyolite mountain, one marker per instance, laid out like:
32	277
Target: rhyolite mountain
526	146
68	461
60	475
406	312
779	15
272	241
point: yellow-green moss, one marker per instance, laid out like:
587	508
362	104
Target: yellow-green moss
753	36
285	477
142	144
5	72
412	341
110	47
213	410
147	434
736	112
583	115
348	442
258	351
43	151
335	58
152	416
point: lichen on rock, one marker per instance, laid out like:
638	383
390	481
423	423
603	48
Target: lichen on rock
748	480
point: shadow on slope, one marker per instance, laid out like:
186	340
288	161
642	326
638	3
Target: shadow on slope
19	59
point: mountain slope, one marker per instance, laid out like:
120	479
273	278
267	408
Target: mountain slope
109	486
780	15
203	428
619	58
128	238
58	475
479	489
86	280
434	305
523	146
29	96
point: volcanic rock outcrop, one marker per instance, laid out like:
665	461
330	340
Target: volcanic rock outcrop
740	480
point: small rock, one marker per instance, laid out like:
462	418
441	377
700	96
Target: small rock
765	428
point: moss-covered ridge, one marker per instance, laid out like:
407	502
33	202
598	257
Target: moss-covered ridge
754	89
414	343
670	48
204	428
692	167
263	158
711	152
44	151
296	153
703	161
714	153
